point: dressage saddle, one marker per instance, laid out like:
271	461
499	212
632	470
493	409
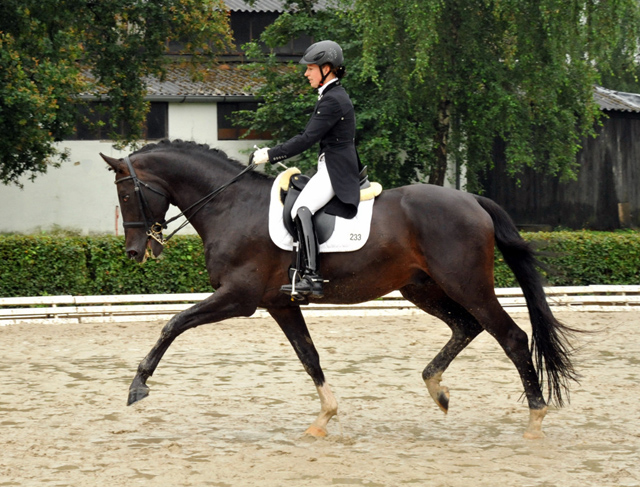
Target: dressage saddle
323	222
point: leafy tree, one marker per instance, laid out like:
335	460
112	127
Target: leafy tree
618	67
519	70
53	50
436	82
287	99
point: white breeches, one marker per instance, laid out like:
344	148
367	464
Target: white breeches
318	191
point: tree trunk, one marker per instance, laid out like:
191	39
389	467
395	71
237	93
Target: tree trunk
438	170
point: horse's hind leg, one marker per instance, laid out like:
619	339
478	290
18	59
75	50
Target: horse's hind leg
464	327
294	327
514	341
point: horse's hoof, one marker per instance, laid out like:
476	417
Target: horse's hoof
137	394
443	400
440	394
534	428
533	435
316	432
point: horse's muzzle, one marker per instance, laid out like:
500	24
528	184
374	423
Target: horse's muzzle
133	254
140	254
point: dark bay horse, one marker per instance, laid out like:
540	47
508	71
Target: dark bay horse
435	245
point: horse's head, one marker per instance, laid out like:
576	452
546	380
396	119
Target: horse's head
143	203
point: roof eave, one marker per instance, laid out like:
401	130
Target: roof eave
181	98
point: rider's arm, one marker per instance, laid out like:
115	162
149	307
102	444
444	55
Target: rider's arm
326	114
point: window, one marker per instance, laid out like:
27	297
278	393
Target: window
227	130
87	128
157	126
247	26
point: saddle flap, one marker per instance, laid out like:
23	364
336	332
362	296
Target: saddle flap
291	185
348	235
323	222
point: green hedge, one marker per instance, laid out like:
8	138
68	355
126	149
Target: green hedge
53	265
43	265
581	258
180	268
46	265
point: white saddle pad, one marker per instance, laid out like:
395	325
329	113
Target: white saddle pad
348	235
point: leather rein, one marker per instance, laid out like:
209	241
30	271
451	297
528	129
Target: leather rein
154	229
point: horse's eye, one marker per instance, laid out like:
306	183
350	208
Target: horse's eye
125	198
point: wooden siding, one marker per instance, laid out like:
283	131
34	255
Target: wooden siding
605	196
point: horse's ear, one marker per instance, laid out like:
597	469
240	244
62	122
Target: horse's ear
116	164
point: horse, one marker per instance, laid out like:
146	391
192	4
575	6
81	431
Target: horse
433	244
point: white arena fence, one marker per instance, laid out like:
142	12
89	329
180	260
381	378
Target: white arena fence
161	307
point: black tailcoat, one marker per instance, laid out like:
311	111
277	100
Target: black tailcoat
333	124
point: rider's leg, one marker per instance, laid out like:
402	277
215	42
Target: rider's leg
317	193
311	282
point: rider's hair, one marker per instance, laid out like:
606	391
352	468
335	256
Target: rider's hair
340	71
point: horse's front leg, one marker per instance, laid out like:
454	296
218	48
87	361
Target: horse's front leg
294	327
221	305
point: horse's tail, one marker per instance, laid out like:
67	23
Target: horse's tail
550	346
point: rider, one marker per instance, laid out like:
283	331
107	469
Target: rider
333	124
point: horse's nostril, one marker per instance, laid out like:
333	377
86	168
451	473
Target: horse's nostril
132	254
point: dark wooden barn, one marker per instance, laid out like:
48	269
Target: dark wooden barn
606	194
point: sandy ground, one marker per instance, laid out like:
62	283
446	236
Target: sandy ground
229	404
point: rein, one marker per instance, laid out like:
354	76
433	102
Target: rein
154	230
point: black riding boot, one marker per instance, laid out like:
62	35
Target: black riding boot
310	283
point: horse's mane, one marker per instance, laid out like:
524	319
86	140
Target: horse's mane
215	155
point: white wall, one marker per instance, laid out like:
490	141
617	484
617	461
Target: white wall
81	196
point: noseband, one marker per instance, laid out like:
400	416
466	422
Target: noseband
154	229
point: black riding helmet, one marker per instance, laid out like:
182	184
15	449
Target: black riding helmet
321	53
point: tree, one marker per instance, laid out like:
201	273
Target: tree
617	67
436	83
287	99
53	50
518	70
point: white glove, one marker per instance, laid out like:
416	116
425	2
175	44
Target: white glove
261	156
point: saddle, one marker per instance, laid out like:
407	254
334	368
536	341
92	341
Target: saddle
292	184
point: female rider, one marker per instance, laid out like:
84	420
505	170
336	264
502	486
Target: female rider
333	124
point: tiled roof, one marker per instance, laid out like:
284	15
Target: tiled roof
616	100
221	80
231	80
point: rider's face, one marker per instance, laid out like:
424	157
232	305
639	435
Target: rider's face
314	75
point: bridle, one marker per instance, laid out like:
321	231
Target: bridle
154	229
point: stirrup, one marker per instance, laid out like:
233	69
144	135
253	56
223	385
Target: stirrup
308	285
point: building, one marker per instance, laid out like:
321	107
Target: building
606	193
80	196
